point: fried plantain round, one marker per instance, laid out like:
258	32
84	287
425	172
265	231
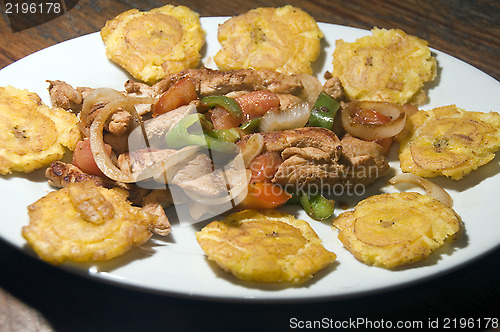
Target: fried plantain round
389	66
381	232
149	45
84	223
285	39
31	134
265	246
448	141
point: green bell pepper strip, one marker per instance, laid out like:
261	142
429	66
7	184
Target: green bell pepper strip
317	206
251	126
323	111
229	104
228	135
327	101
178	136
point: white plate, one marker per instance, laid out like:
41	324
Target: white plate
178	267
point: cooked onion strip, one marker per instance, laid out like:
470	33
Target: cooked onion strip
252	148
101	158
293	117
431	188
371	132
97	96
312	87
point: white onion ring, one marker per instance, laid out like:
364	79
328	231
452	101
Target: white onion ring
96	96
371	132
293	117
431	188
252	148
101	158
312	87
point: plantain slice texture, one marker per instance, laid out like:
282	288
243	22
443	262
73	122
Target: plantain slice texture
85	223
389	66
32	135
285	39
381	231
149	45
266	246
448	141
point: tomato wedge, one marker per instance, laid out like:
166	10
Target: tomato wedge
84	159
265	195
257	103
223	119
370	117
181	93
264	166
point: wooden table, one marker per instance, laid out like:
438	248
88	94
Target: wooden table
38	297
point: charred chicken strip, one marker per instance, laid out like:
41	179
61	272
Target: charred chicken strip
215	82
315	158
60	174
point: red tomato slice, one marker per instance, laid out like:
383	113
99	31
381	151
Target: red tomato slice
181	93
264	166
84	160
257	103
371	117
223	119
265	195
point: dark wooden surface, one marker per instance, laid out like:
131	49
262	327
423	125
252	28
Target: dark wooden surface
38	297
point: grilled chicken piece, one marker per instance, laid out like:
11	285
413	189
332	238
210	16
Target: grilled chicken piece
315	159
65	96
333	87
139	89
155	203
60	174
365	160
215	82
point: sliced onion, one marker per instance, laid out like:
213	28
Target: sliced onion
97	96
104	96
293	117
312	87
431	188
101	158
252	148
371	132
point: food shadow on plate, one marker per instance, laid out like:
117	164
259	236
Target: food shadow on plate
350	200
135	254
428	86
448	248
320	63
270	286
483	173
37	176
